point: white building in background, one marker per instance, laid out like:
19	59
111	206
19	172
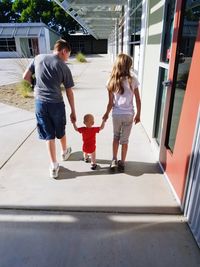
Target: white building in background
26	39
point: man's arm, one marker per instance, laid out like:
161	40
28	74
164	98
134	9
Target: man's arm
70	97
27	75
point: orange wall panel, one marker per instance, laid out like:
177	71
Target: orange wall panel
177	164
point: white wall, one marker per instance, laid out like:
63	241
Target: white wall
42	42
151	65
127	34
47	38
143	40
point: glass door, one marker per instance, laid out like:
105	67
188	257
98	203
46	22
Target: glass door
187	36
168	25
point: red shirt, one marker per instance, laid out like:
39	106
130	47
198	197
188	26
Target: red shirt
89	138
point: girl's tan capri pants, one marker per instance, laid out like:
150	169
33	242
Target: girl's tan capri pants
122	125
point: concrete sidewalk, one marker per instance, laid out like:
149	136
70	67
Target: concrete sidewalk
138	221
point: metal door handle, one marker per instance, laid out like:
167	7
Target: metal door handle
167	83
181	84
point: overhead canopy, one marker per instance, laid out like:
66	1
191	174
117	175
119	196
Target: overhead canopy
98	17
10	30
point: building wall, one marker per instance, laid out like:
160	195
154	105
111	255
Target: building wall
45	36
177	166
151	63
127	33
87	44
42	42
112	46
143	40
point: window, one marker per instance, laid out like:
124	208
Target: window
135	27
7	44
167	30
135	18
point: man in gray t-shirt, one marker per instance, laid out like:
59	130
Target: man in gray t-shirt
50	72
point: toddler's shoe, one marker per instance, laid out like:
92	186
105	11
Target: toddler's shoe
93	166
87	159
121	166
53	171
66	155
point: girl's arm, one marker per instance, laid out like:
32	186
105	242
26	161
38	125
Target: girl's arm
109	106
138	104
102	125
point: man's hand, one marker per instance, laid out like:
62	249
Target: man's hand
73	117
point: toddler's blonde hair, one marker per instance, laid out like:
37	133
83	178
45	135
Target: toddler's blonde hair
88	117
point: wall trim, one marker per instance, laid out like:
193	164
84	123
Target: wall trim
171	187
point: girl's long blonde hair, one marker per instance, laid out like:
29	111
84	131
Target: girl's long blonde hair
120	71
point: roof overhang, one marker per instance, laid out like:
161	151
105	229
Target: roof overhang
28	30
97	17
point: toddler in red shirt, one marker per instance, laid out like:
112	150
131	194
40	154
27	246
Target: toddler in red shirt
89	138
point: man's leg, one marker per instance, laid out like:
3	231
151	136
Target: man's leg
63	142
51	148
54	167
66	151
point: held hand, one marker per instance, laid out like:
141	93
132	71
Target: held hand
137	119
73	117
75	126
105	117
102	125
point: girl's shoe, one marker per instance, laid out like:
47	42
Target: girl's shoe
121	166
113	164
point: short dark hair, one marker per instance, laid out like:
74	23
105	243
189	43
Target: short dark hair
62	44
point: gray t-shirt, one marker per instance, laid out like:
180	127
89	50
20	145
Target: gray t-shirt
50	72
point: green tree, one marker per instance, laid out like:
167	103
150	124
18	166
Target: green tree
6	12
62	21
33	10
46	11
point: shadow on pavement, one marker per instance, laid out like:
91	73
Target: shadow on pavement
132	168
